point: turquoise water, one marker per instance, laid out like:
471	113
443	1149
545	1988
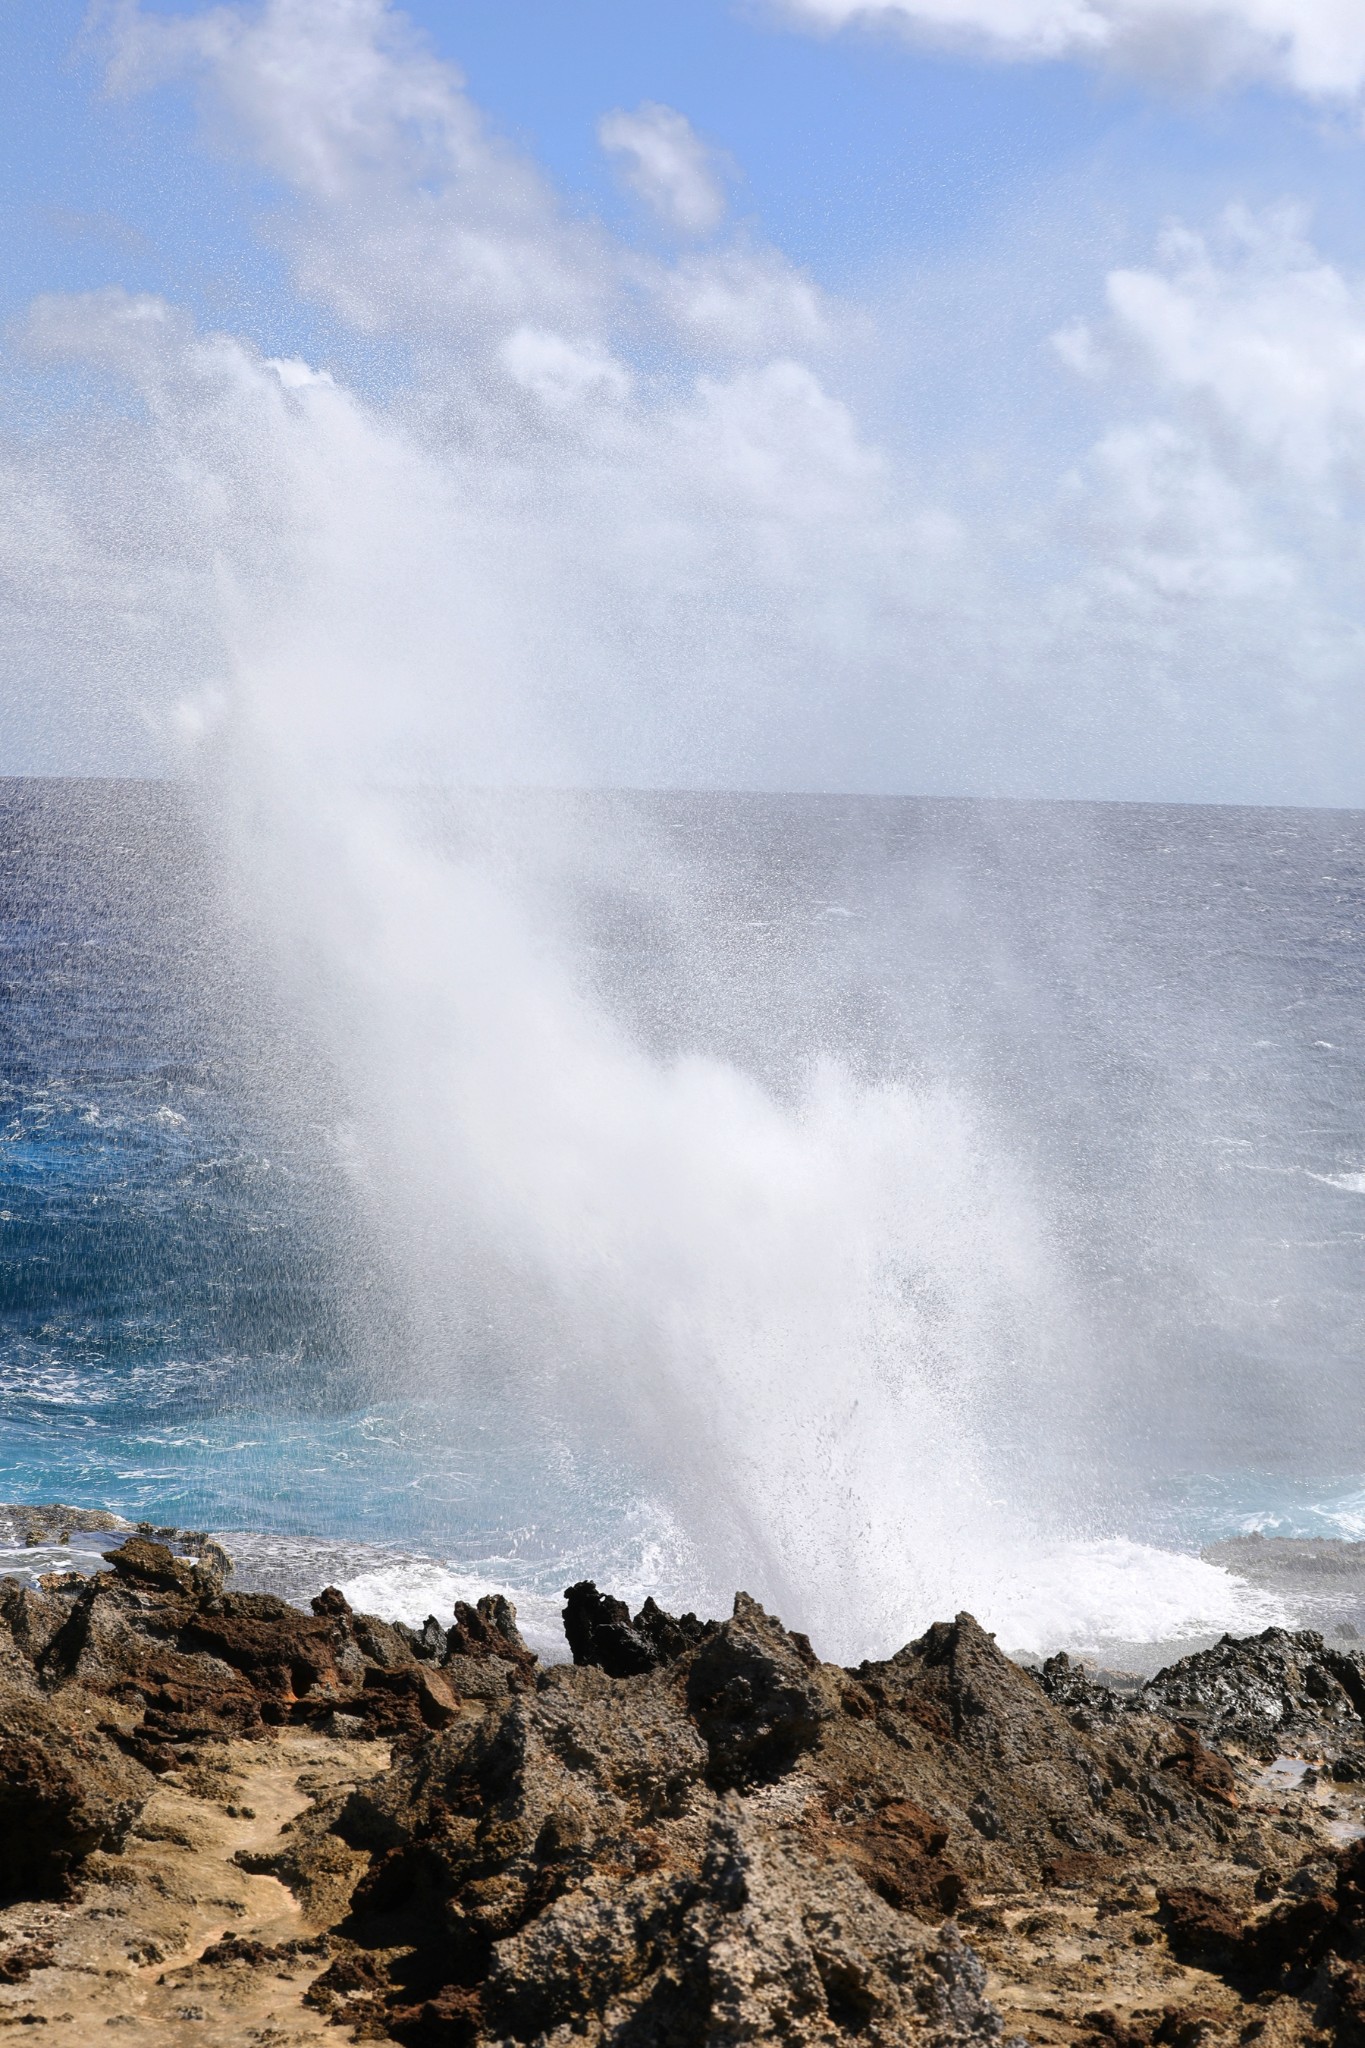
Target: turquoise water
1163	1009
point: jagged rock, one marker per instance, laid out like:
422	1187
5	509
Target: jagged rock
65	1790
18	1964
593	1881
30	1619
599	1631
1027	1794
488	1631
427	1642
756	1696
729	1842
142	1562
671	1636
954	1996
1086	1701
1279	1686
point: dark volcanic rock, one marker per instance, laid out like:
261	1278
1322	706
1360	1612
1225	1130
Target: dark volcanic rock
757	1695
107	1678
740	1843
1279	1687
1031	1790
599	1630
488	1632
698	1835
1086	1701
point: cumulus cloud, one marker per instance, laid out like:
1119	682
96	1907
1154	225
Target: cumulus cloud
1315	47
632	520
1253	329
665	161
1247	351
1216	516
607	427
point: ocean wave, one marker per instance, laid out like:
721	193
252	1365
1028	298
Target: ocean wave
409	1589
1111	1593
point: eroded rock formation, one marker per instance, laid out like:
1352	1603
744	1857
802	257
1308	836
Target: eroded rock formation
697	1834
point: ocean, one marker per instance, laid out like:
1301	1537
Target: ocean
1156	1013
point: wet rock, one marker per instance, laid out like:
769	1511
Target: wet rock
671	1635
53	1522
1087	1702
1281	1686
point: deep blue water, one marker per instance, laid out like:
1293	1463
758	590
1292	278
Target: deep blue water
1162	1009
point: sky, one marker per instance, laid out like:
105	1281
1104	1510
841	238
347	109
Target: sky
949	396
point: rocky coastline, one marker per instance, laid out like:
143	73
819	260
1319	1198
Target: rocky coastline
227	1820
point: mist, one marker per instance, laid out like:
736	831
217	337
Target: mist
615	518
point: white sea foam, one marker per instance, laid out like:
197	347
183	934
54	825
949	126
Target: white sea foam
412	1588
1345	1515
1088	1596
1349	1183
1082	1597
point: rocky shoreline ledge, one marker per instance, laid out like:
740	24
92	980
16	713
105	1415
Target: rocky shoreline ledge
224	1820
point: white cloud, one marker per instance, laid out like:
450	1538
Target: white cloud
748	302
1216	519
562	372
1262	335
629	520
668	165
433	223
1315	47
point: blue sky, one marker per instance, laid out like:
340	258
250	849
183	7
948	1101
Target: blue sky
855	153
954	202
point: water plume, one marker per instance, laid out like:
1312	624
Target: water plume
615	518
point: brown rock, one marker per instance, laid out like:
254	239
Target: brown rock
142	1562
755	1698
63	1794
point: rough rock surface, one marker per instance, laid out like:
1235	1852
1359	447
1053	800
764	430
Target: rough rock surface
1262	1693
1280	1686
227	1820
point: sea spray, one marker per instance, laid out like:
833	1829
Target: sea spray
785	1314
598	516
